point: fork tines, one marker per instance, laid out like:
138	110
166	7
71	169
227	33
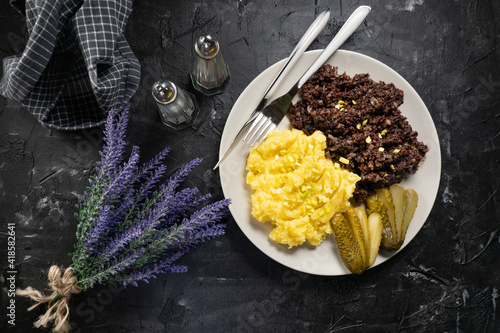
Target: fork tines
259	129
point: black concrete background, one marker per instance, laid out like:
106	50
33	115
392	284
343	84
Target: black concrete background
446	280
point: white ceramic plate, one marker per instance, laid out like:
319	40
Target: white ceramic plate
324	259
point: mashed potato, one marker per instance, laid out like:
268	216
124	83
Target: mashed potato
296	187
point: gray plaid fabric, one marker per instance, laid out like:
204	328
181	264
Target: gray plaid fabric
77	64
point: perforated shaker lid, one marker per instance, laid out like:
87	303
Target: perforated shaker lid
164	92
207	47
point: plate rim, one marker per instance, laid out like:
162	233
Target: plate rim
225	141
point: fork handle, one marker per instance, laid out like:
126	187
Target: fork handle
347	30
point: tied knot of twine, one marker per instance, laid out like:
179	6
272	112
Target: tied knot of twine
58	310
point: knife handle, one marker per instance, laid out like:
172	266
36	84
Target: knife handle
309	36
352	23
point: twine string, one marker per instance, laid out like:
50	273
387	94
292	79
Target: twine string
57	302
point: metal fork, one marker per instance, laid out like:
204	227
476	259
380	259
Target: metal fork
308	37
268	118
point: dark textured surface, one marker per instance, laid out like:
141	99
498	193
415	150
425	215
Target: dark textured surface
446	280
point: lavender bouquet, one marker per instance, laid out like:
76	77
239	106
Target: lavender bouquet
129	229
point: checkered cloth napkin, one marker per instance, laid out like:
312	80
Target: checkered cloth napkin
77	64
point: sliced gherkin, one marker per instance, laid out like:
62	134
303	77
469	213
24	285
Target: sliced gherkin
398	201
375	231
396	206
411	202
376	205
351	250
358	238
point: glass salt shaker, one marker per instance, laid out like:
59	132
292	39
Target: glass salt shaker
177	107
210	74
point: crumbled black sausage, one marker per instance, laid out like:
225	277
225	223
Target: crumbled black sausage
363	125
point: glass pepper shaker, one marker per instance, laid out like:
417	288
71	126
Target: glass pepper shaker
210	74
177	107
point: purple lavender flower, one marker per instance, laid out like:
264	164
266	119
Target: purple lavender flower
107	272
100	228
146	272
183	202
144	182
120	181
200	226
128	229
153	165
112	152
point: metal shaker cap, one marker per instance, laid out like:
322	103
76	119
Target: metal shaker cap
164	92
206	47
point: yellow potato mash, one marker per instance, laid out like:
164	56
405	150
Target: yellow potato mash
296	187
